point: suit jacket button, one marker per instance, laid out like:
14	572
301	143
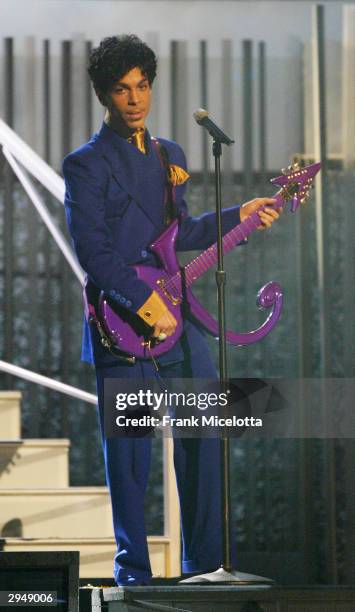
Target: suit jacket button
122	300
144	253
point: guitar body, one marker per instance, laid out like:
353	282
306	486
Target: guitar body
128	331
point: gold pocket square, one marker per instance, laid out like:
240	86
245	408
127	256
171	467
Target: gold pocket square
177	175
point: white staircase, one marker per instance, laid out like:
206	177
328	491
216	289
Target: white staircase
40	511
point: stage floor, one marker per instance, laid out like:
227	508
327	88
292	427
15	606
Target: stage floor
223	598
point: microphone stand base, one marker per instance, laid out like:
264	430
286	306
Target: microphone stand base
221	576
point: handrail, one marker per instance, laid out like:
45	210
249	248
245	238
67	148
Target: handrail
32	161
45	215
39	379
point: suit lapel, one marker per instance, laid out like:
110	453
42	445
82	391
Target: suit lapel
141	176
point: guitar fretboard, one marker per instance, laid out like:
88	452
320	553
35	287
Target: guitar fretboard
209	258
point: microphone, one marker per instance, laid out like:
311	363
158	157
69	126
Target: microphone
201	117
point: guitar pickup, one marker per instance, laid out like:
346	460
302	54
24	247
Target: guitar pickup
161	282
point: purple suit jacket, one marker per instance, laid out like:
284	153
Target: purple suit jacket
114	203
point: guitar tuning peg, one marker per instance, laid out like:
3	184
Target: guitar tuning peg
284	171
296	167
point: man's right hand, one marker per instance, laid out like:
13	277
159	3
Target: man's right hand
165	325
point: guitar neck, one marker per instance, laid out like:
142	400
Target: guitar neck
208	258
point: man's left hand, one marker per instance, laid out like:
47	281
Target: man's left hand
267	216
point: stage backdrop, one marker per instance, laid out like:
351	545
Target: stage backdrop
291	498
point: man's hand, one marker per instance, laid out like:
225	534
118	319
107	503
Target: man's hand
165	325
267	216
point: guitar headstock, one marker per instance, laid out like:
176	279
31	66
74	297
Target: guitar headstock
296	182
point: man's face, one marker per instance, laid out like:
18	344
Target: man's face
128	101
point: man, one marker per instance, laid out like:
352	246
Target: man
116	205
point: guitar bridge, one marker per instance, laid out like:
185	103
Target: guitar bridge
162	285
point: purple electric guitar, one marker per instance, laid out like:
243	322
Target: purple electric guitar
130	334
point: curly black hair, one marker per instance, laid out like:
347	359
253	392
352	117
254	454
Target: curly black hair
117	55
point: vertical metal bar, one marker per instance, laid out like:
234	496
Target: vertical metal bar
88	95
348	91
251	489
262	112
248	117
160	99
349	462
47	246
204	104
305	220
227	115
65	281
302	96
306	448
247	108
320	149
179	88
46	99
8	214
78	93
173	88
262	183
349	285
348	87
66	97
306	500
32	248
306	445
9	81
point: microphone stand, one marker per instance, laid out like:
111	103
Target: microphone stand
225	573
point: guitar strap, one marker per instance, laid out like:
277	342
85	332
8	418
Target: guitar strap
169	200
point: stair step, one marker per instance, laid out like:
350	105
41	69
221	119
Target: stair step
96	554
34	463
73	512
10	415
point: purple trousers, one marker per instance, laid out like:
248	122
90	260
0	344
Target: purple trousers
197	468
